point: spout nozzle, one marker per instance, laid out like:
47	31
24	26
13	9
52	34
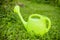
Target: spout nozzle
16	9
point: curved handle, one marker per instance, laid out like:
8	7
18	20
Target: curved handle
35	16
49	23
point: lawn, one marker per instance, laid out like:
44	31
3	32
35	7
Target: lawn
11	27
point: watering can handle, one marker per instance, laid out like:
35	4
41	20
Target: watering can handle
37	15
49	23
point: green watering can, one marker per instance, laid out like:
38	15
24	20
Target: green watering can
36	24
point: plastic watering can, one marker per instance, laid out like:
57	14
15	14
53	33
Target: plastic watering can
36	24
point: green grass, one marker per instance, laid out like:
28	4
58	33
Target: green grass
11	27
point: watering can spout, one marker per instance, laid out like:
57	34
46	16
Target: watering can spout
17	10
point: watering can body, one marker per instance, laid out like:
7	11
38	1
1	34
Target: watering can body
36	24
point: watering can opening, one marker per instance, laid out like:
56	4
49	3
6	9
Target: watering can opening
35	17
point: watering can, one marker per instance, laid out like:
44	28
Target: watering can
36	24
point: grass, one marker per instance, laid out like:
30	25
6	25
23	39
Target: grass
12	28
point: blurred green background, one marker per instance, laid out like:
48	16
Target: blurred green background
11	27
